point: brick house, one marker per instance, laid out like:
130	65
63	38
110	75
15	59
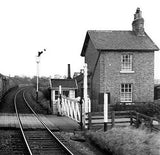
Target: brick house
121	63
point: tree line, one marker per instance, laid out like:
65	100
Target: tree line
25	80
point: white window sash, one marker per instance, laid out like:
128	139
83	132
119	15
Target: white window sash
126	95
126	63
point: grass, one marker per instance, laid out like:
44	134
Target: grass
127	141
43	101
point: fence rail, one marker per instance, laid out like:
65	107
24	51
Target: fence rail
138	119
73	108
70	108
124	117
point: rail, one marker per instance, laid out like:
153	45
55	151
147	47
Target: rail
20	123
36	115
69	152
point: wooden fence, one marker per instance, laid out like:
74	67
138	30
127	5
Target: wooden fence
138	119
124	118
70	108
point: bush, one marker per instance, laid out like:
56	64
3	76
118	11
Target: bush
46	92
149	109
127	141
43	101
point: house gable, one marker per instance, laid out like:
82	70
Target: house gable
118	41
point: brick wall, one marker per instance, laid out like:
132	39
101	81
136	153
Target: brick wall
95	88
94	81
107	76
142	78
91	56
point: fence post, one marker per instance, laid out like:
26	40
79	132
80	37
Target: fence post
131	118
137	120
105	111
60	93
85	93
81	114
60	101
89	120
113	118
151	124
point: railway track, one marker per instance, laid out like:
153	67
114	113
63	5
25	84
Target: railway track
42	141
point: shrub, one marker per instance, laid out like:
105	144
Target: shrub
149	109
127	141
46	92
43	101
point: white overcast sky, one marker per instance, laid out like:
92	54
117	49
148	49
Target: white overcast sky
29	26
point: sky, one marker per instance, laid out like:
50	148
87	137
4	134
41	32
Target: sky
60	26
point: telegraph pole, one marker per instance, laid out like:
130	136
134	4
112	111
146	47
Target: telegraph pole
38	61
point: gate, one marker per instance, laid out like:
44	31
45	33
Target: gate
70	108
77	110
74	109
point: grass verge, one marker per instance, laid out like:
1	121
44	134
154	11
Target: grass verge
127	141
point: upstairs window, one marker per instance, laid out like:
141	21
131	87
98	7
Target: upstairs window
126	93
126	62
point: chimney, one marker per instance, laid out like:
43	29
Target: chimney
69	72
138	23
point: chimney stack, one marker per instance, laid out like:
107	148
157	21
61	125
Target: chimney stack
138	23
69	72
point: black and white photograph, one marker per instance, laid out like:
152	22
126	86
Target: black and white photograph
79	77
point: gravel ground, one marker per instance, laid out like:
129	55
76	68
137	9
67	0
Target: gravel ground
5	140
84	148
10	144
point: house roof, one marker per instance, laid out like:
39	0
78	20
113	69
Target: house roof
65	83
79	77
118	40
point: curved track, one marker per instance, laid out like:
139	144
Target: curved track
39	142
6	105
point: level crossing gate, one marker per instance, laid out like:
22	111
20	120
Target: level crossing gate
76	109
70	108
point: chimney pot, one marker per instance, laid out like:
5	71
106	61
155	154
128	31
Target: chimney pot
138	23
69	72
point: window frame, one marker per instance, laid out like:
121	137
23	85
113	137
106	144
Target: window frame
127	63
65	93
56	94
126	92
